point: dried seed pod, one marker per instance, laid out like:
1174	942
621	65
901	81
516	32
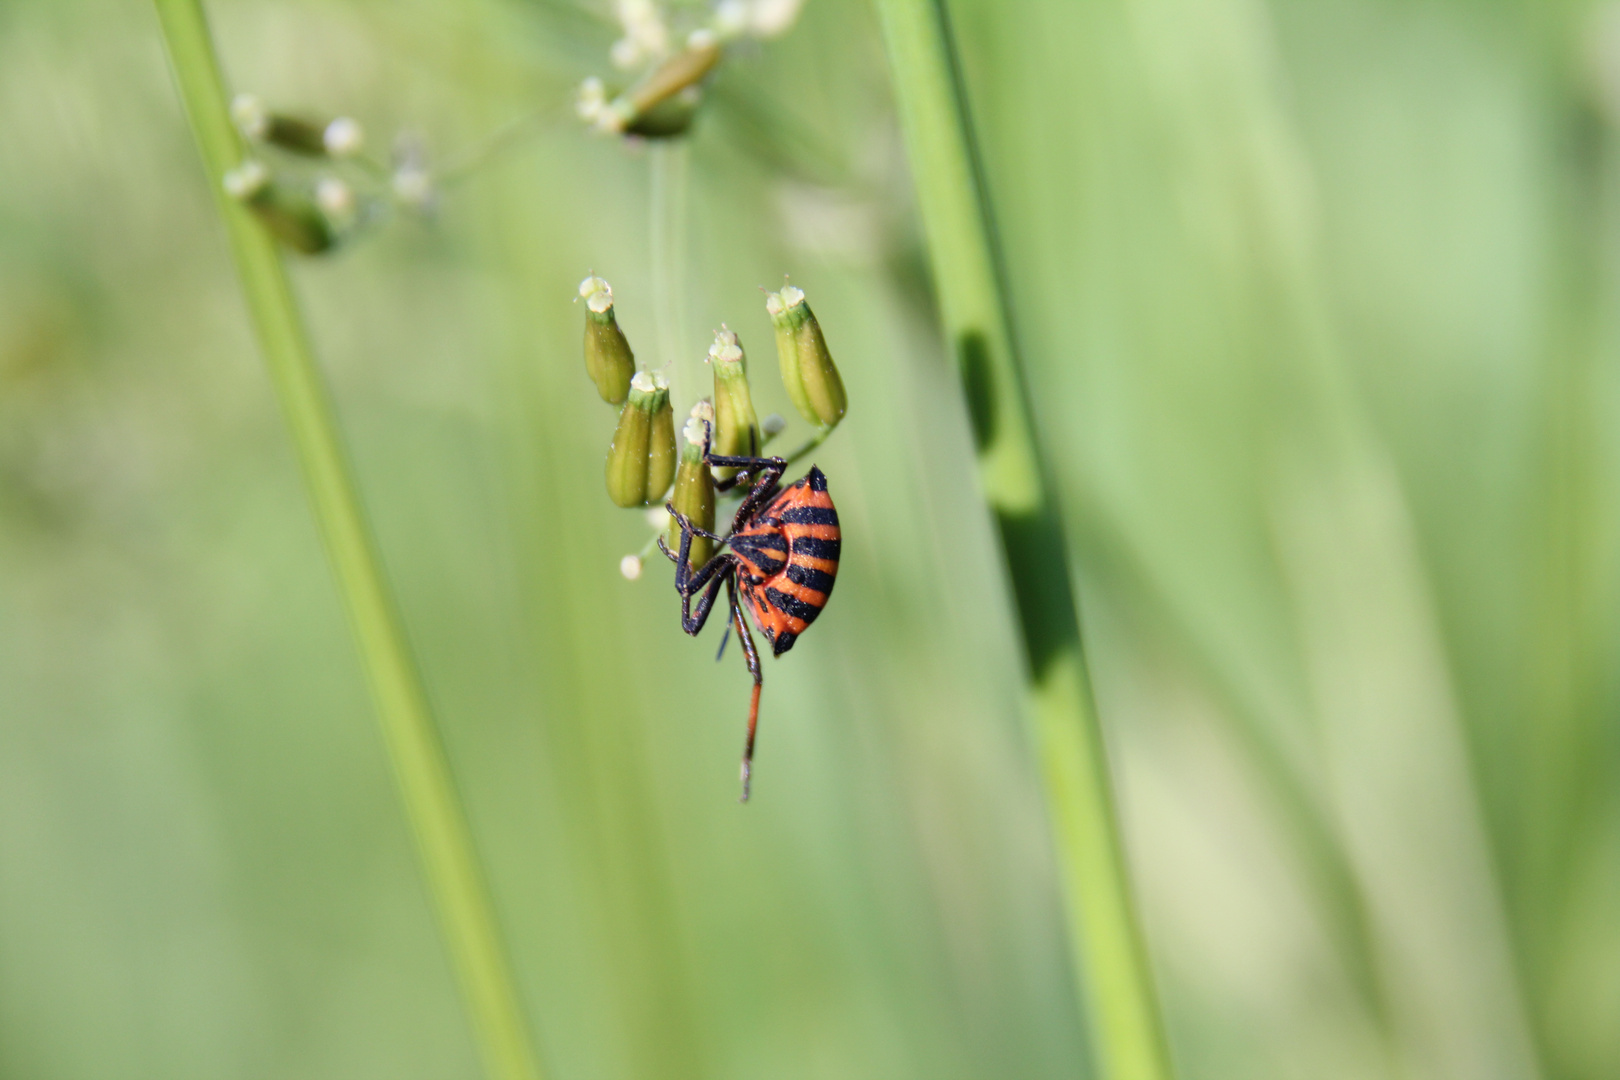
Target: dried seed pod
641	458
736	426
694	488
608	359
808	370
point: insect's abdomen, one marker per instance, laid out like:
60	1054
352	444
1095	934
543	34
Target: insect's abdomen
789	598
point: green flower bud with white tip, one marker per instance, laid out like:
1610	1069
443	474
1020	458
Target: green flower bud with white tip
808	371
736	426
293	133
608	359
694	487
291	216
641	458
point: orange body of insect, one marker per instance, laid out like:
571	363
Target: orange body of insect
788	559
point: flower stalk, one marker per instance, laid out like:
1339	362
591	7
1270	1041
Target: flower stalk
443	840
1110	960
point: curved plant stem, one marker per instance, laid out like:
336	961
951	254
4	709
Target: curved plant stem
1110	962
443	840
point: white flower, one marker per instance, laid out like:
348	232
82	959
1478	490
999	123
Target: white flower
334	197
772	18
343	137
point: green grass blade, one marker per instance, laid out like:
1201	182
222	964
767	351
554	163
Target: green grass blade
1110	961
444	842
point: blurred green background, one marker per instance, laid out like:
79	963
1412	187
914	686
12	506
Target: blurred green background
1318	302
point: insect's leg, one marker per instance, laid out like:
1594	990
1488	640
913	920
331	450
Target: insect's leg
692	621
687	580
686	525
762	490
751	655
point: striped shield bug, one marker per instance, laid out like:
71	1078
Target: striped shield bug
780	566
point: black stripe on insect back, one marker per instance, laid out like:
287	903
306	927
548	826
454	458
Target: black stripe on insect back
810	577
816	548
816	479
810	515
791	605
767	553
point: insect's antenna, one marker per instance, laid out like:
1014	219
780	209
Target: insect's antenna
748	747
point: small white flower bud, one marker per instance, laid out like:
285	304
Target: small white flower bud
246	180
630	565
590	99
593	285
774	425
657	516
778	302
624	53
773	18
343	137
730	18
335	197
413	186
250	116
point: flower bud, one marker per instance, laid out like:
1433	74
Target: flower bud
694	491
291	216
292	133
608	359
660	105
336	199
808	371
343	137
641	458
736	427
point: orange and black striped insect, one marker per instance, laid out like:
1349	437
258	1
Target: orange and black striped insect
783	560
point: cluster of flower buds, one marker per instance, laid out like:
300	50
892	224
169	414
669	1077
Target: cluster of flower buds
323	186
308	217
646	453
662	103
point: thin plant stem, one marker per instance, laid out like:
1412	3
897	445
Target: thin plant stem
1111	965
678	175
443	839
658	254
509	136
810	444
